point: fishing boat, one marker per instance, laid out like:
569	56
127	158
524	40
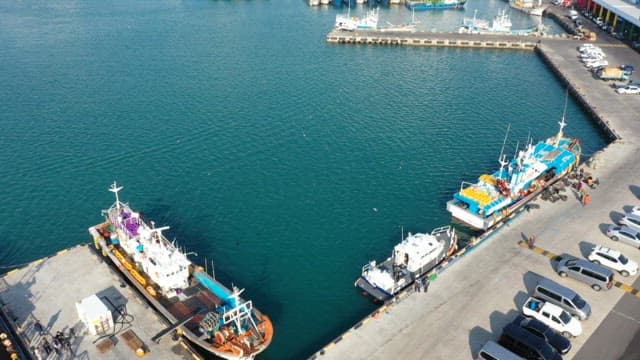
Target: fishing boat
324	2
411	259
211	316
528	6
314	2
501	24
493	198
473	25
422	5
353	23
410	26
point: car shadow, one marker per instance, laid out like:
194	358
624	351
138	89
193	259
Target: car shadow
603	228
627	208
499	320
531	279
585	248
635	190
478	336
615	216
520	298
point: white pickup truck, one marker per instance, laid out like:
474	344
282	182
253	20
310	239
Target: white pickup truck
552	315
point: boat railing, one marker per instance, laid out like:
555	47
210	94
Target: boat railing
465	184
440	230
368	266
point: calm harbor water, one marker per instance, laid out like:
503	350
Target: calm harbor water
288	162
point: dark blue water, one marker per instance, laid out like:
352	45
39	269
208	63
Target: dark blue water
287	161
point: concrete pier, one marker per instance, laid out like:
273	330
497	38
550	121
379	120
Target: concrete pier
474	298
46	291
433	39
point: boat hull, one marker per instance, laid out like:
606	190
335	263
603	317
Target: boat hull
407	279
109	251
434	5
476	222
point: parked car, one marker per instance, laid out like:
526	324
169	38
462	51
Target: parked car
569	300
592	64
553	316
625	234
525	344
635	210
631	90
572	14
630	220
493	351
543	331
613	259
598	277
627	68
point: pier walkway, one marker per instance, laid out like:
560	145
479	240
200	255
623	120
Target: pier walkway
472	300
434	39
47	291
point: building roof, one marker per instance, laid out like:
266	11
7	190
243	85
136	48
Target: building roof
626	10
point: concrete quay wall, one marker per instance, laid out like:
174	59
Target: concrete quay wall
471	301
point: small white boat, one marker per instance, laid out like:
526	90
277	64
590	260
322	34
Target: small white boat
411	260
353	23
324	2
314	2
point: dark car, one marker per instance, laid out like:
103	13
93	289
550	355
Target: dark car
541	330
527	345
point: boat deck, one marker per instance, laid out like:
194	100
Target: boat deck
47	290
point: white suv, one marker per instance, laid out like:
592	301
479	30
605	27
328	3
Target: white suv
614	260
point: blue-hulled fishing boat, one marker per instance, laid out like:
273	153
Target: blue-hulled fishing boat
494	197
421	5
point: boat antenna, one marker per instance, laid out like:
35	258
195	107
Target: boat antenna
504	142
114	189
563	123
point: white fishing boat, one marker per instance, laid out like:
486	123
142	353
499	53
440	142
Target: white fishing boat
411	260
353	23
314	2
501	23
408	27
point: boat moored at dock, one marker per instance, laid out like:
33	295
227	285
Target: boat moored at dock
211	316
353	23
528	6
422	5
495	197
411	259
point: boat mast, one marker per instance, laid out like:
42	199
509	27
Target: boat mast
562	123
114	189
502	159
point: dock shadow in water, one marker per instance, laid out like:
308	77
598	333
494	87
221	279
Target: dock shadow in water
477	338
